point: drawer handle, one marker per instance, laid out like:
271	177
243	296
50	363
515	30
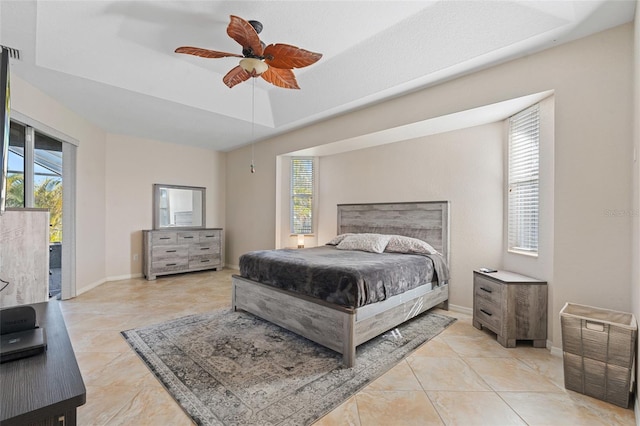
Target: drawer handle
486	289
486	313
165	238
171	251
205	248
205	261
209	236
171	264
188	237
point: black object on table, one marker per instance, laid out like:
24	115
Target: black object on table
43	389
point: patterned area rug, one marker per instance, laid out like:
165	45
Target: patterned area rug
232	368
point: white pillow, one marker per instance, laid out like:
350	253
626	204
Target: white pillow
408	245
336	240
374	243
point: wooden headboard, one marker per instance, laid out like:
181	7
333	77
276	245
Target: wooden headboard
425	220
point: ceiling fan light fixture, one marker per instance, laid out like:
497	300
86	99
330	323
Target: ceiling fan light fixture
253	66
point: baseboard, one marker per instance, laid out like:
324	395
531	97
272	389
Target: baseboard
123	277
461	309
555	351
91	286
228	266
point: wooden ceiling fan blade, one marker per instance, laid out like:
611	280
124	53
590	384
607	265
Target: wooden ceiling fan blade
285	56
244	33
205	53
235	76
281	78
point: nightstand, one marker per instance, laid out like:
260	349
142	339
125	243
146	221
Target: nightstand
511	305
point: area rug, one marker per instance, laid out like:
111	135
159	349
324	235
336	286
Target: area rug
232	368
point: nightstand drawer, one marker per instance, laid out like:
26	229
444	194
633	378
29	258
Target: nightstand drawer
488	291
489	315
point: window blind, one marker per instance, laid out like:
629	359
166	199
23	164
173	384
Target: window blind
524	178
302	195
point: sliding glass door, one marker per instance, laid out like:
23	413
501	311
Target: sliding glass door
35	176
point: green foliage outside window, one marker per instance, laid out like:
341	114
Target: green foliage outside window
302	196
47	195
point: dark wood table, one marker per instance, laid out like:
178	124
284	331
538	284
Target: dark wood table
43	389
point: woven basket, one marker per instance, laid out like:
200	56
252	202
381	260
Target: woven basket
598	352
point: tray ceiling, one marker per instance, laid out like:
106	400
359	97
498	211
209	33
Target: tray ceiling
113	62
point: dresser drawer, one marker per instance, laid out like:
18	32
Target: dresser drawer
174	252
489	315
204	261
204	248
188	237
160	266
160	238
488	291
212	236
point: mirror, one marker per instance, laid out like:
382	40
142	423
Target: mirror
177	206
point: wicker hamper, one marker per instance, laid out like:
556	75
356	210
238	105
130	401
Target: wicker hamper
598	352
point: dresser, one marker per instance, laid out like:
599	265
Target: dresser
511	305
172	251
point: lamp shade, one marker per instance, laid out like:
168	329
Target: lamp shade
252	65
300	240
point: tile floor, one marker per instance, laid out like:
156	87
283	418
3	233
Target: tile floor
461	377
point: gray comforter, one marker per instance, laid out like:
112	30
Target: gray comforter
345	277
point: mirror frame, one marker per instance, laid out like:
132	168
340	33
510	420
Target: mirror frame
156	205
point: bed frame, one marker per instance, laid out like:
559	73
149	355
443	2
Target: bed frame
343	329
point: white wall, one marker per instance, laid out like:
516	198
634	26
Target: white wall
464	167
133	166
115	175
592	80
90	197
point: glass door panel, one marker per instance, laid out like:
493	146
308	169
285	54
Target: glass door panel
16	169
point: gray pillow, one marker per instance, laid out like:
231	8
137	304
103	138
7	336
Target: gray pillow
374	243
408	245
336	240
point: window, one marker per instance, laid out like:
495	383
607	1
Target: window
34	175
302	195
524	177
16	169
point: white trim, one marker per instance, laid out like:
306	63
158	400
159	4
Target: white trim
69	160
461	309
556	351
29	149
123	277
90	286
50	131
229	266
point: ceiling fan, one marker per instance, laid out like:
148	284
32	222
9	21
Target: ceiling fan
274	63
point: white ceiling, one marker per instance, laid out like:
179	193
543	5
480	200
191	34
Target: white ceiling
113	62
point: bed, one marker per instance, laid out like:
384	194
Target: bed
342	325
